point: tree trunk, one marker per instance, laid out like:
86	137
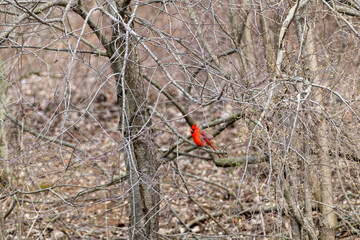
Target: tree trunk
328	219
4	154
140	158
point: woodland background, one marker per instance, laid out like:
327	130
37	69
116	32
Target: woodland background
98	98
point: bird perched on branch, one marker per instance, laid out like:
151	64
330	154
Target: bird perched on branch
202	138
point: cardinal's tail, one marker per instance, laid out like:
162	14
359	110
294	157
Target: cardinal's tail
212	146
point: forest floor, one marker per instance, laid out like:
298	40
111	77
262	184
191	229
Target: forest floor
66	193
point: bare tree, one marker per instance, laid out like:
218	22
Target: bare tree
141	163
106	91
4	155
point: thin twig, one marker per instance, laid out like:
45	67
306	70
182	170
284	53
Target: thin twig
197	203
188	228
228	190
37	134
96	53
186	115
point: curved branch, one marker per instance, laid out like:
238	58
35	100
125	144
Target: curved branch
186	115
285	26
5	34
344	19
37	134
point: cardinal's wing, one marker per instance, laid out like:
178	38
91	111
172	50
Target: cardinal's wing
206	137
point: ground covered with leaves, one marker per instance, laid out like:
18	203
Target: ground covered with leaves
69	176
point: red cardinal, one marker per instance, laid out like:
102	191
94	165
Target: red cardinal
202	138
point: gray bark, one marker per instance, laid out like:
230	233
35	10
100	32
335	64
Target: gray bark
140	158
4	154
